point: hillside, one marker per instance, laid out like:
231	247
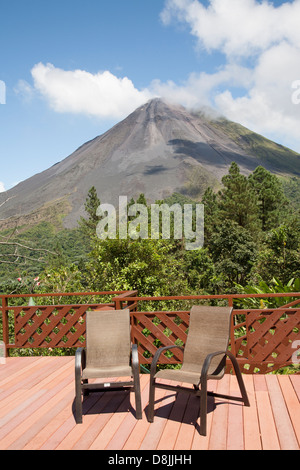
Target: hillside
278	158
157	150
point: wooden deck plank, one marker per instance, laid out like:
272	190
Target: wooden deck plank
141	427
171	430
235	434
164	401
19	374
119	439
187	428
13	364
41	415
284	426
218	436
260	384
9	403
17	415
40	420
137	435
56	415
296	384
68	425
38	400
42	436
202	442
292	402
56	374
93	422
267	424
252	438
34	413
119	410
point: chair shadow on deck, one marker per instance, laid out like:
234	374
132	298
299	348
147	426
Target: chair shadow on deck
183	409
118	401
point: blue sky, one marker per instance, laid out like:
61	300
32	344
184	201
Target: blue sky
74	68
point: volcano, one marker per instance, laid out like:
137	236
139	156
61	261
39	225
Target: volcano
159	149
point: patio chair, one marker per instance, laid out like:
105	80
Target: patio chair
108	354
204	358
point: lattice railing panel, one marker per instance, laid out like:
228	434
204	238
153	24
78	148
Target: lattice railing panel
50	326
153	330
262	339
271	335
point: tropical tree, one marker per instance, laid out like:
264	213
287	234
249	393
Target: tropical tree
211	214
234	252
270	197
278	254
238	201
88	226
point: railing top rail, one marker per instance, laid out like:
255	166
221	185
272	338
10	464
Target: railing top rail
126	294
236	311
57	306
216	296
65	294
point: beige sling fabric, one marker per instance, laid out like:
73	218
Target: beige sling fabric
208	332
108	344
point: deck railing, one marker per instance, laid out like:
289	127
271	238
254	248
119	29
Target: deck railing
262	339
28	323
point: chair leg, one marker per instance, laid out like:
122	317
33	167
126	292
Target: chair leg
85	391
203	407
138	401
151	400
79	362
242	388
240	380
78	404
136	381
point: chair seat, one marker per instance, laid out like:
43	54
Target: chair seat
185	375
98	372
204	357
109	353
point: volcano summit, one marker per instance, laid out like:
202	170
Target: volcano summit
157	150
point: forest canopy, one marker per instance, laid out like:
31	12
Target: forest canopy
251	238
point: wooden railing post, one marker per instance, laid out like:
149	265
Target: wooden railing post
232	341
5	324
122	298
118	304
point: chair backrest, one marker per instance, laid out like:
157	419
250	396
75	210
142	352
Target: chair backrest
209	331
108	338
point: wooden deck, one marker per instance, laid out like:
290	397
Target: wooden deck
36	412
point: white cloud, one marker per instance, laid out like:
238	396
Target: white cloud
237	28
102	94
268	107
199	88
261	59
248	32
2	188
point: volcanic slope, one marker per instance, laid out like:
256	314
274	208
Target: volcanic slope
157	150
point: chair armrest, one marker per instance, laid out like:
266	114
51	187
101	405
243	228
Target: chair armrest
80	361
208	360
157	355
134	356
